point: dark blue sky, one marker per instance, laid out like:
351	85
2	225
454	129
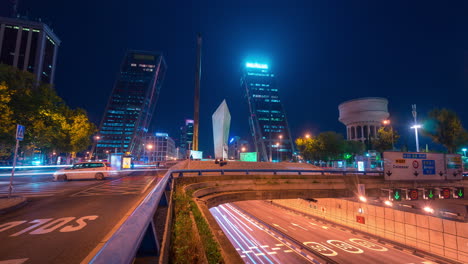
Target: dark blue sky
323	52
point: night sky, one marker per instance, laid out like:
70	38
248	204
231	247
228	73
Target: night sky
323	53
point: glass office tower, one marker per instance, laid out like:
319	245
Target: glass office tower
29	46
268	123
131	105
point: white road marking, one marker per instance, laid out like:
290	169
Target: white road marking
13	261
280	227
279	245
253	247
260	254
288	251
247	252
265	246
271	253
298	226
324	227
368	244
275	248
326	251
345	246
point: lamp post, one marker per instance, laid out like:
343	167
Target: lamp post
277	150
387	122
464	151
415	126
307	136
149	147
97	141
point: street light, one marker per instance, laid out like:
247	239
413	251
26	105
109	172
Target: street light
277	150
243	149
385	123
464	151
149	147
97	140
415	126
307	136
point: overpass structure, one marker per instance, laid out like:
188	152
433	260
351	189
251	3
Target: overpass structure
210	187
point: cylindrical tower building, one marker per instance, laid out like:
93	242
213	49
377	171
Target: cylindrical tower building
363	117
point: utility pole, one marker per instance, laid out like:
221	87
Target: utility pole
196	104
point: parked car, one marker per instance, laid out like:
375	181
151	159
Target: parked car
85	170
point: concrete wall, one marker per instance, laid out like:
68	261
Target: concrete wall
439	236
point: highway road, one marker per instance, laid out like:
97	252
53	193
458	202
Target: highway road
339	245
63	222
251	241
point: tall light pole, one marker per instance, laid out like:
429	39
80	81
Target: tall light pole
280	153
464	151
196	104
387	122
277	150
149	147
95	151
415	126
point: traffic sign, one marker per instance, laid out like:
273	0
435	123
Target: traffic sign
19	132
413	194
445	193
430	194
415	164
397	194
460	192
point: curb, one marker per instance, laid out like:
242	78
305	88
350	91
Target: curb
23	201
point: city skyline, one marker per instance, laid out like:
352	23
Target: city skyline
327	54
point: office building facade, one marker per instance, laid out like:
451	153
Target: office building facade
159	147
29	46
131	105
268	123
186	138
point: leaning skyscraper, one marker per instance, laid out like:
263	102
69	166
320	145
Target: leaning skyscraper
268	124
130	107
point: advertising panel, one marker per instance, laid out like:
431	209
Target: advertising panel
126	162
196	155
248	156
421	166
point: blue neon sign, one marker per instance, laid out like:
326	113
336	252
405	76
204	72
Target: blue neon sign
256	65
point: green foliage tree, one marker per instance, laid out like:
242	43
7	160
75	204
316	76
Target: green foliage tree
50	123
328	146
445	127
386	138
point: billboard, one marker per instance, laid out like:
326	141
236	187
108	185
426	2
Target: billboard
196	155
248	156
421	166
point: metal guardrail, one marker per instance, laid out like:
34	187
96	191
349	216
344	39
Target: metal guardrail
136	230
275	172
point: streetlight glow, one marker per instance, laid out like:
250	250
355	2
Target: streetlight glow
362	199
307	135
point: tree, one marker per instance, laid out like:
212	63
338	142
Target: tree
326	146
353	148
50	123
385	140
445	128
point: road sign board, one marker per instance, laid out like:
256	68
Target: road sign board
445	193
428	167
415	164
460	192
397	194
413	194
19	132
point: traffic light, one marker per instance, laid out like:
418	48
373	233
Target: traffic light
445	193
460	192
413	194
397	194
430	194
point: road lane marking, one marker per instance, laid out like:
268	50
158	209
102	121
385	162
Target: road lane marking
277	248
345	246
298	226
368	244
272	253
253	247
265	246
247	252
13	261
48	225
259	254
288	251
279	245
326	251
280	227
37	223
324	227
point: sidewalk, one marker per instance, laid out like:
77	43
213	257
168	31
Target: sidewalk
13	202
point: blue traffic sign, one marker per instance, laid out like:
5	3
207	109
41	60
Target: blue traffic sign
19	132
428	167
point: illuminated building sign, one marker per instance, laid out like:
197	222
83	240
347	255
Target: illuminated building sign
256	65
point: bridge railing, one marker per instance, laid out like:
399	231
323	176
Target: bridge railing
137	235
180	173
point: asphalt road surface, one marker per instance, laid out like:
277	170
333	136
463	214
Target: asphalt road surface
333	242
63	222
